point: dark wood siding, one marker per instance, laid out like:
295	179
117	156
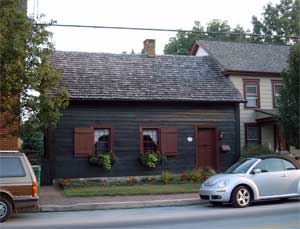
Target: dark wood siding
126	119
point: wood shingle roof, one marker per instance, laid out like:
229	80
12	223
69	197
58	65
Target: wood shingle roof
242	56
102	76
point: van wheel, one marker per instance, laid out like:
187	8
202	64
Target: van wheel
241	197
5	209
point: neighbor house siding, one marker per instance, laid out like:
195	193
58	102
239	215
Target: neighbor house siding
126	119
247	115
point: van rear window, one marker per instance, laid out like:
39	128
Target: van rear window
11	167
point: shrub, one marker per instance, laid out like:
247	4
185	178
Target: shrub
184	177
152	179
177	178
106	160
254	150
194	175
150	159
103	181
207	172
67	181
167	177
132	180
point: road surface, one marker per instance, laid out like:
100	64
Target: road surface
268	215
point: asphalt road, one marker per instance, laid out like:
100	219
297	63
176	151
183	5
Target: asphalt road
259	216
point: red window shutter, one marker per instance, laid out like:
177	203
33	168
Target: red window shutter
83	142
169	141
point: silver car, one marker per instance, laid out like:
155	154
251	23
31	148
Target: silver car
252	179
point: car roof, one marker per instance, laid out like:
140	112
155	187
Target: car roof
10	153
288	158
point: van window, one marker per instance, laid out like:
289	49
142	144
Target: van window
11	167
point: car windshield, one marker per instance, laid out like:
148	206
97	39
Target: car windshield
241	166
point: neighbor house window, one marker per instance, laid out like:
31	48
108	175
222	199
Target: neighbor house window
276	88
251	93
102	140
252	133
150	140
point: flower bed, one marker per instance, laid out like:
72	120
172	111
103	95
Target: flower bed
194	176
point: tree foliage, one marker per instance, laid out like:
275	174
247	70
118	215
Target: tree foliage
27	75
289	104
183	41
32	137
281	19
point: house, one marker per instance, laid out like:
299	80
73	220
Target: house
8	141
254	69
182	106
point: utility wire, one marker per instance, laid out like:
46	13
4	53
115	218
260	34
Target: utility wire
167	30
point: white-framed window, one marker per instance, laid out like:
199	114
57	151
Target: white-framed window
251	92
102	140
276	87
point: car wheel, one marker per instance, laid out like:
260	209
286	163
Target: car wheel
241	197
5	209
216	203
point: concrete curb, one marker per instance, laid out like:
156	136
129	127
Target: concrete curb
121	205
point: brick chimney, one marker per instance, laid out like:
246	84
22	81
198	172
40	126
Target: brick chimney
149	47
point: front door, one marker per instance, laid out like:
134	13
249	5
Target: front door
206	152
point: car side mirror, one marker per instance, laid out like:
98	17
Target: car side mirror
256	171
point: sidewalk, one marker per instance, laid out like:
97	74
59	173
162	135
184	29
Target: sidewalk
52	199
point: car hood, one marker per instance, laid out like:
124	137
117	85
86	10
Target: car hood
223	176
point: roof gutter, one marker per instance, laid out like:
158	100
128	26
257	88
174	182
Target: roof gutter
250	73
153	100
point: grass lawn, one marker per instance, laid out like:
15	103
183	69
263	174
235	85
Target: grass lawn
149	189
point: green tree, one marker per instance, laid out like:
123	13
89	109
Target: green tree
289	104
281	19
32	137
27	75
183	41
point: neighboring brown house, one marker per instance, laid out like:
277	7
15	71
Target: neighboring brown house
8	142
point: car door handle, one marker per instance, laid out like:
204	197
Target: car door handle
283	175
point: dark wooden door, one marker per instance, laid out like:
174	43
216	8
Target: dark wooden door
206	153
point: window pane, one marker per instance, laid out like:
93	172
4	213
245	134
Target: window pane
102	140
11	167
251	101
288	165
251	89
270	165
277	88
150	138
253	133
251	94
276	101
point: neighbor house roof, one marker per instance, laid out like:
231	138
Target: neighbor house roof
247	57
103	76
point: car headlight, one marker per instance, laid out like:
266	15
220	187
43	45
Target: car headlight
222	183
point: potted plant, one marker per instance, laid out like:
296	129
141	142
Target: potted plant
150	159
105	159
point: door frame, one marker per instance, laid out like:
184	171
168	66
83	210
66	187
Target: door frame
216	130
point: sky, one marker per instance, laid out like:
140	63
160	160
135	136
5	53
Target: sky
167	14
